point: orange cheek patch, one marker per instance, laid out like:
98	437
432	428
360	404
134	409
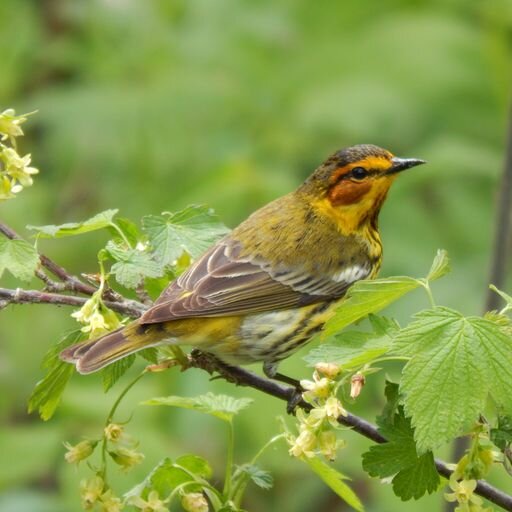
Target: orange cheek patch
348	192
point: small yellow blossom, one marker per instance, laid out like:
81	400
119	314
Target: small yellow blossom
334	409
318	388
329	444
464	495
194	502
304	444
152	504
110	502
91	491
80	451
114	432
126	457
10	124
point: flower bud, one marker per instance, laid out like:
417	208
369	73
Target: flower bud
80	451
356	385
194	502
329	370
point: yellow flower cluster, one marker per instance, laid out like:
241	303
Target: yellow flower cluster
317	428
15	170
96	317
120	446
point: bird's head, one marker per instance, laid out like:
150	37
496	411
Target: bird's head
353	182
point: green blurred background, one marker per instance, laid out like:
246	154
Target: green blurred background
151	105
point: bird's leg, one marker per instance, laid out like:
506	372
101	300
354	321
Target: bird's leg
270	370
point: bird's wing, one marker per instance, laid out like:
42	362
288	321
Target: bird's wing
222	283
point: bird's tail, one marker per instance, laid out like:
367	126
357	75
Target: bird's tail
92	355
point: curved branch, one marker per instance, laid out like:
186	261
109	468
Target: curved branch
242	377
127	307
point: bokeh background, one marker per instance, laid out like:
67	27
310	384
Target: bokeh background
152	105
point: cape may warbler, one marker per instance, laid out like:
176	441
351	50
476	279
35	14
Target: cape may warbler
263	290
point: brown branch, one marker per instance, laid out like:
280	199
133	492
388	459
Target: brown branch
69	282
242	377
127	307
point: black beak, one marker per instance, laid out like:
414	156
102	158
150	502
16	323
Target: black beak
401	164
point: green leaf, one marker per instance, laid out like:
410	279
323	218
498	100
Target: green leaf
415	480
129	229
260	477
192	230
19	258
455	363
196	465
149	354
99	221
501	436
48	391
334	480
132	265
351	349
414	475
113	372
220	406
440	266
164	478
365	297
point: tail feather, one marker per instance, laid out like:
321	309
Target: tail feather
92	355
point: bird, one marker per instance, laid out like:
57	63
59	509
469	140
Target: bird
263	291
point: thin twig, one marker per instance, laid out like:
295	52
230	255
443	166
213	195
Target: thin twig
127	307
242	377
69	283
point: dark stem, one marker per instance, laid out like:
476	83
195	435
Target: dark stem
242	377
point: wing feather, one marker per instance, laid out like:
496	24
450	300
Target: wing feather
223	283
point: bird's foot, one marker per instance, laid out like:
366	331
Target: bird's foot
270	370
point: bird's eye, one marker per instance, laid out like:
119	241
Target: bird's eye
359	173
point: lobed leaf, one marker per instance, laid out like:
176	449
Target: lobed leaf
456	361
413	474
263	479
223	407
132	265
18	257
191	230
99	221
